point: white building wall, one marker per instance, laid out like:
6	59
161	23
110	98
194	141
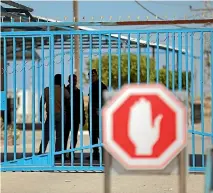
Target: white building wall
28	106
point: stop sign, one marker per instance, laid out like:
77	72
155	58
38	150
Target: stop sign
144	126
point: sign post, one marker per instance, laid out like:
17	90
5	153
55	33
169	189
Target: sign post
209	172
153	134
182	171
107	172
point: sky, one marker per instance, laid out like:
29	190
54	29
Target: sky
116	9
60	9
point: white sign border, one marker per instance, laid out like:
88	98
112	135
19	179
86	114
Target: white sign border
144	163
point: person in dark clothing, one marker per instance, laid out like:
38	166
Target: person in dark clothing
94	98
76	116
57	111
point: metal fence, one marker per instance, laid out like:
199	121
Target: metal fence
30	59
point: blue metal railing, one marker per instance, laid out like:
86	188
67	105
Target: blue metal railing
115	67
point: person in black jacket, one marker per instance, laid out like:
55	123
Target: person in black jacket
75	114
95	111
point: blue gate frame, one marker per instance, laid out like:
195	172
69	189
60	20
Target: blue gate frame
135	65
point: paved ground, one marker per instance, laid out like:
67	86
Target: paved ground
93	183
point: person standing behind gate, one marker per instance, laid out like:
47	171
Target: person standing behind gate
76	113
94	98
58	118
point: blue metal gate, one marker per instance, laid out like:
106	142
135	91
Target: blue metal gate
30	61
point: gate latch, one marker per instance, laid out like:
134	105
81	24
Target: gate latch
3	99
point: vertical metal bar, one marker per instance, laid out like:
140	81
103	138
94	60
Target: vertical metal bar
138	58
192	98
157	58
187	71
62	98
187	66
52	97
167	60
110	63
100	98
33	96
14	91
129	70
5	89
42	87
50	108
24	98
81	104
90	95
119	61
202	96
39	83
147	59
173	61
71	99
212	84
180	61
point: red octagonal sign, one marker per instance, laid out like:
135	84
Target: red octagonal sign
144	127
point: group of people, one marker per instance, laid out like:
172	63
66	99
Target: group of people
77	103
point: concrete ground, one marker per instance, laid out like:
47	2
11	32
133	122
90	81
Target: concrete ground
93	183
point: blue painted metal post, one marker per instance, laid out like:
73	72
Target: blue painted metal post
52	99
90	101
129	52
167	60
138	59
173	61
71	99
6	108
38	87
179	61
62	99
33	96
100	97
42	92
110	63
147	58
24	98
81	102
14	97
192	98
187	71
119	61
157	58
202	96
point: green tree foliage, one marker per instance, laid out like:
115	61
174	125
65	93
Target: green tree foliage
143	69
171	78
